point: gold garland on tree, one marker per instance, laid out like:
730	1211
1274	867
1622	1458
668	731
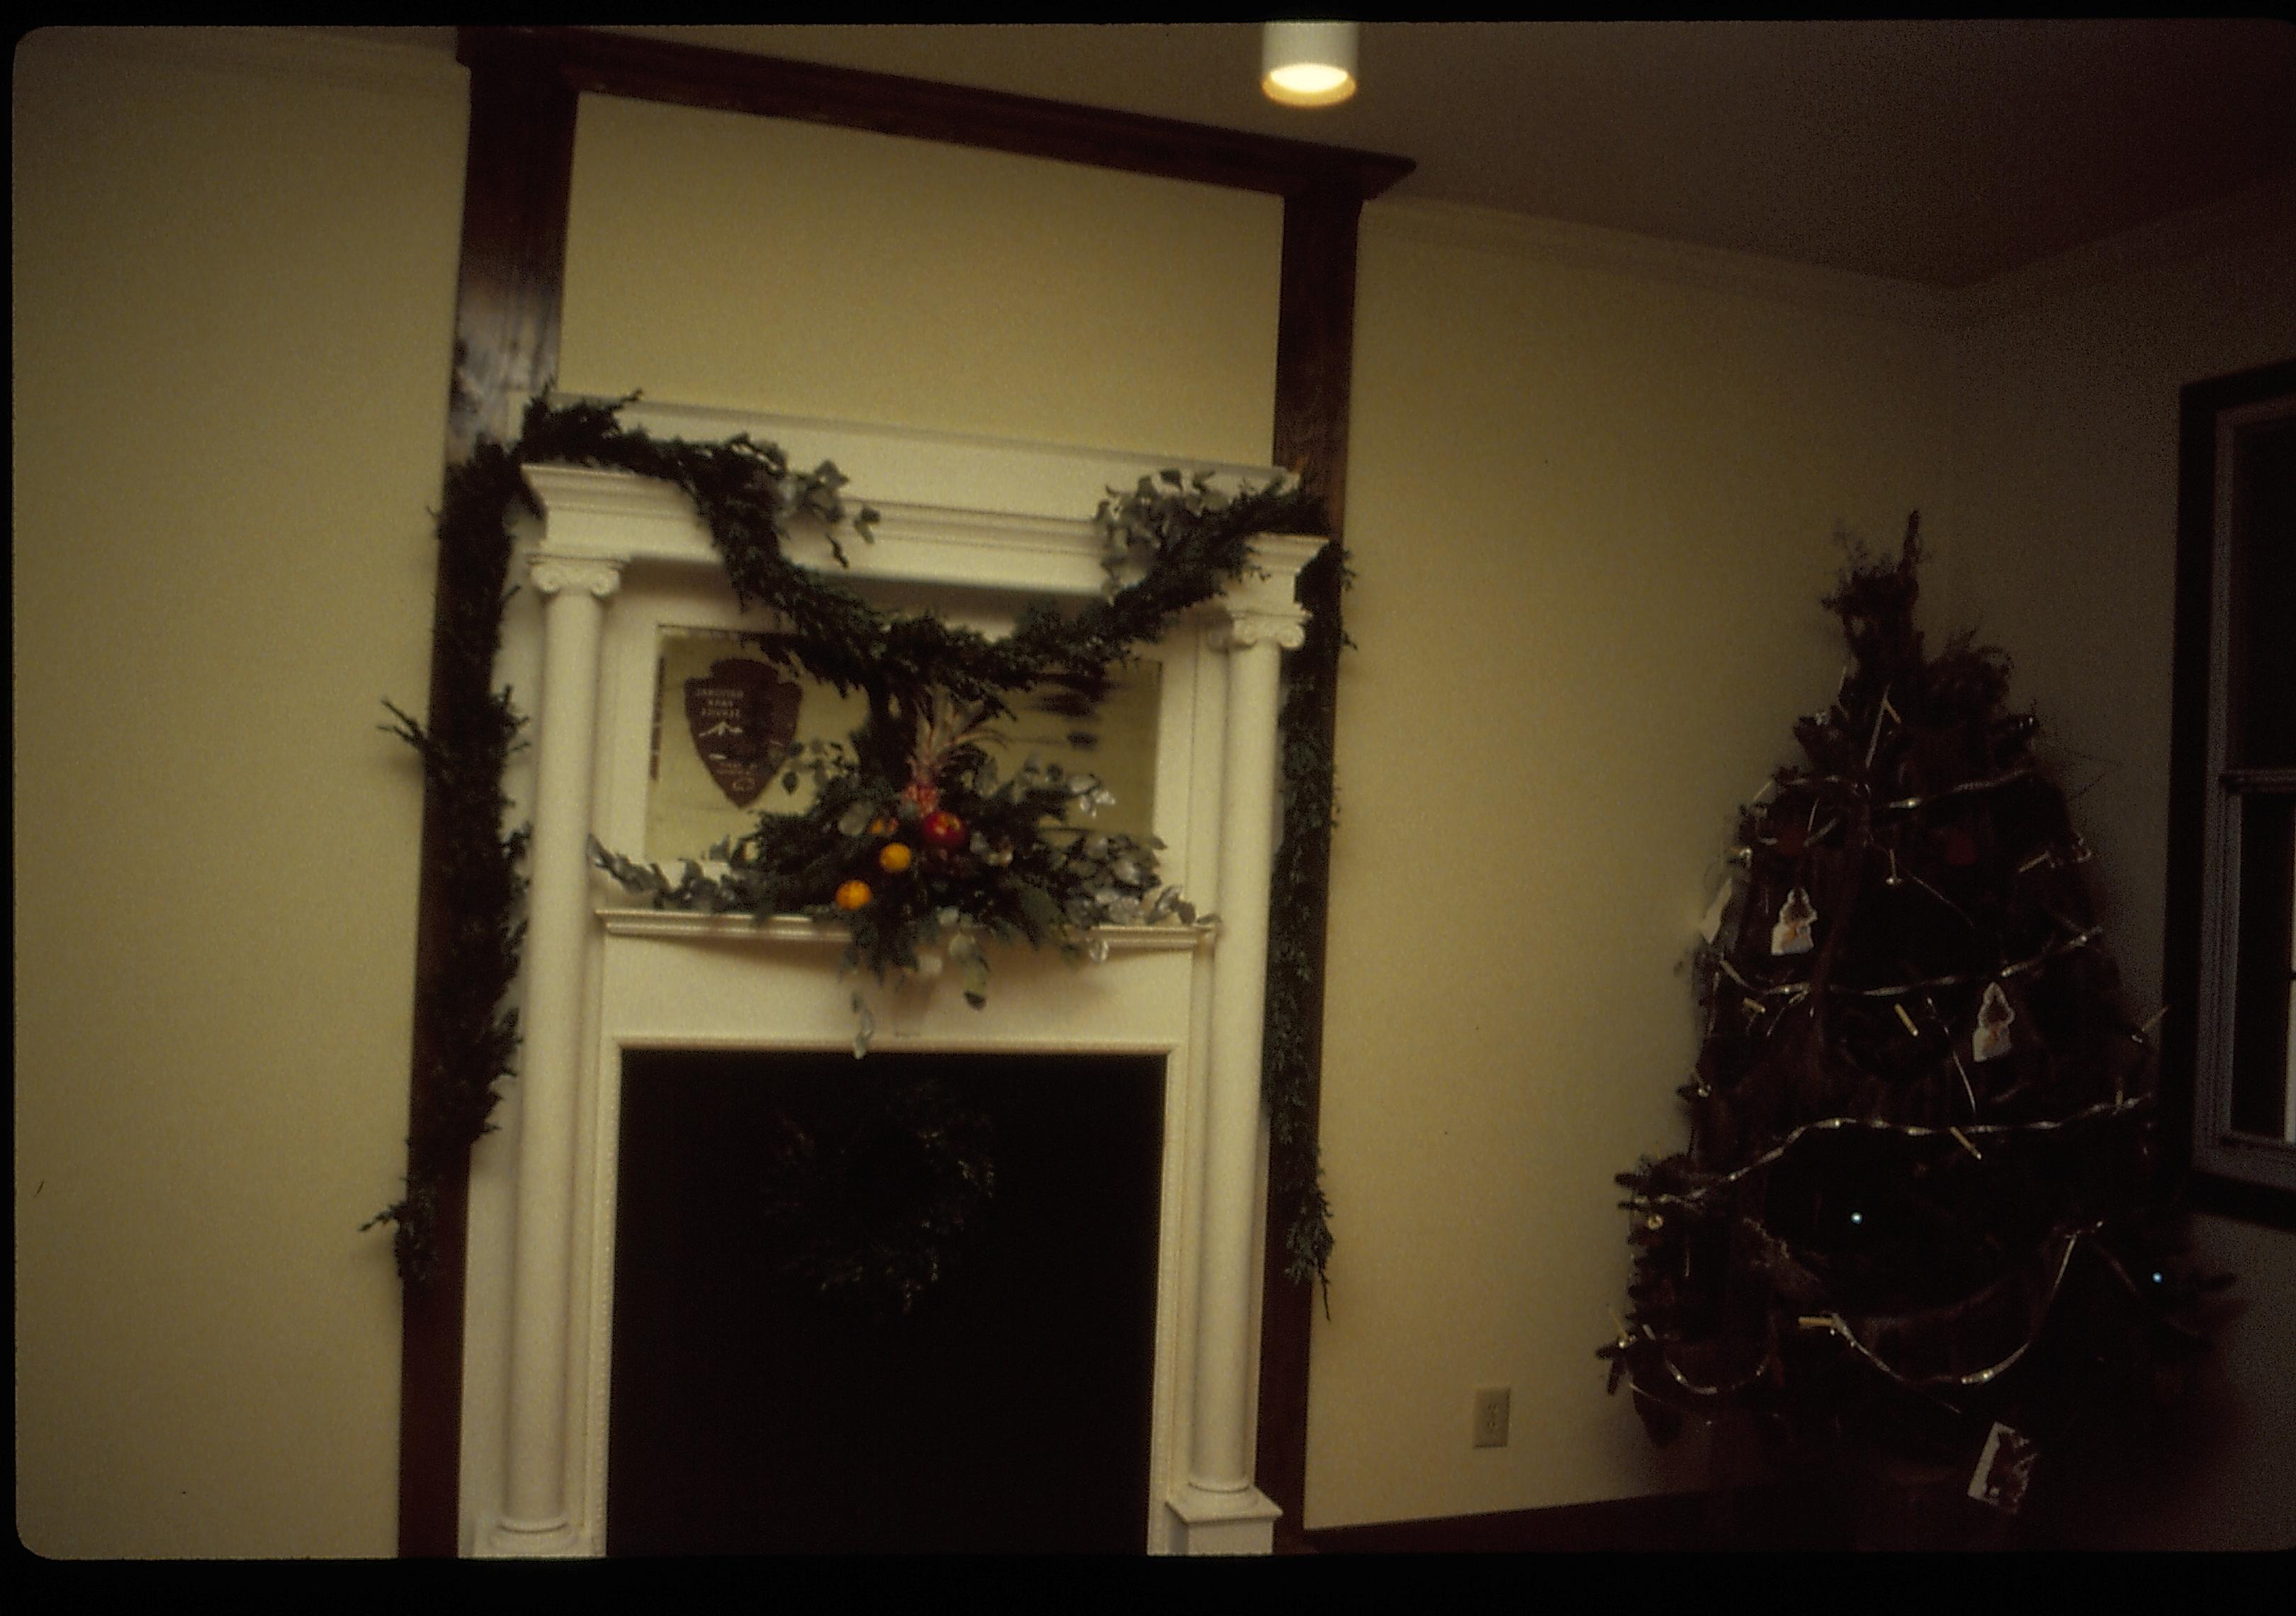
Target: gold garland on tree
1921	1197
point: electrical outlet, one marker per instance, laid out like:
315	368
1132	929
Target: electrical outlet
1491	1415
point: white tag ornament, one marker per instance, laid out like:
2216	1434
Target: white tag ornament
2005	1469
1796	917
1990	1041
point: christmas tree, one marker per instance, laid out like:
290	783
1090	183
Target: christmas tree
1922	1195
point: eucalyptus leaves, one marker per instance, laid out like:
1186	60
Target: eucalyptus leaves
928	868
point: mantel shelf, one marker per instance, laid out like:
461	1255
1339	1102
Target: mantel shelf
688	925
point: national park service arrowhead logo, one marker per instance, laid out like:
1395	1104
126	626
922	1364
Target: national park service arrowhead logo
743	718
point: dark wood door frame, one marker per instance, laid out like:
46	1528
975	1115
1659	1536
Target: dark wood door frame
525	88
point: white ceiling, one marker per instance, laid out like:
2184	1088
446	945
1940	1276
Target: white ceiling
1943	153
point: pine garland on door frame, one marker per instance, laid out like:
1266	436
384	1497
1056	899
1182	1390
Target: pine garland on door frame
1170	544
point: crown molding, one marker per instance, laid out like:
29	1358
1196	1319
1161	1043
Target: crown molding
2246	214
371	58
2257	212
1713	269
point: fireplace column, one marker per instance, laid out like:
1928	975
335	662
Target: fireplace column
537	1516
1221	1510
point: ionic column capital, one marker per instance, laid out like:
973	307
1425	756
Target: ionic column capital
1243	630
598	576
1262	606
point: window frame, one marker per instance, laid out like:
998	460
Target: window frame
2246	1175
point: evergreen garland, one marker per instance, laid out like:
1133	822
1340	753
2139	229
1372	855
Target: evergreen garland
878	1190
1170	544
1289	1056
465	1037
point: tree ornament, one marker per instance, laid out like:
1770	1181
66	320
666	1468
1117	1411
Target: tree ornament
894	858
943	830
1991	1040
1793	933
853	895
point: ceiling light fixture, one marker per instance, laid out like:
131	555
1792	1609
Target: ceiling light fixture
1309	64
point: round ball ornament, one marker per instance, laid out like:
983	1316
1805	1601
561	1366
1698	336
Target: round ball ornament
853	895
943	830
894	858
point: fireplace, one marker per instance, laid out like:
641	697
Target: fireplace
1008	1410
615	996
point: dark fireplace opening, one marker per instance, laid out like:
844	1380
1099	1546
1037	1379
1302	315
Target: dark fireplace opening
1006	1411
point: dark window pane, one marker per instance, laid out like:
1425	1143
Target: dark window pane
2263	577
2259	1037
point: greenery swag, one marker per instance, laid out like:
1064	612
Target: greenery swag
913	840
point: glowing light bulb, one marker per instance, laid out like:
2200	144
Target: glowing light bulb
1309	64
1309	82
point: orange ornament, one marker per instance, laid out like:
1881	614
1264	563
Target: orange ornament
894	858
853	895
883	824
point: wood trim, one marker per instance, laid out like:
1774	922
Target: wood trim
525	90
2200	404
516	191
2266	1204
731	81
1775	1516
518	174
1314	354
1660	1521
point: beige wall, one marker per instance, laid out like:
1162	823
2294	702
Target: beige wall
234	300
1591	501
750	263
235	291
1591	508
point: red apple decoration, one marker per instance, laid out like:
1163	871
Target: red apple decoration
943	830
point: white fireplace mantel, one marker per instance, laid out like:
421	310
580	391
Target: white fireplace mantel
970	527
